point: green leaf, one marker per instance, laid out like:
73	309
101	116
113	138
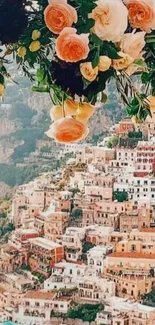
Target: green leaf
40	75
145	77
140	63
95	39
104	98
85	27
1	79
95	60
43	89
47	51
111	50
18	59
150	39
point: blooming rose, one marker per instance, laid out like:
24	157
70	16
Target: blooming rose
111	19
104	63
56	112
58	15
71	47
133	44
67	130
71	106
85	111
123	62
88	72
141	14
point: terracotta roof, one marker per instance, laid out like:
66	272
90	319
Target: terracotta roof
132	255
2	290
40	295
147	230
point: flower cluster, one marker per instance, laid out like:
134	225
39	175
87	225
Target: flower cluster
76	47
70	121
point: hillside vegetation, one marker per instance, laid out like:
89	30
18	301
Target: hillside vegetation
24	118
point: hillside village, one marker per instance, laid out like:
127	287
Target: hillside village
82	246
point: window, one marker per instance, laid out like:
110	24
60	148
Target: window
37	304
70	271
55	305
91	261
27	303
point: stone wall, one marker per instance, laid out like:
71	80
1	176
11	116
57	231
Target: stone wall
69	321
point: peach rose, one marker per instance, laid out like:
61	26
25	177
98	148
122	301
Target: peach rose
71	106
111	19
71	47
57	112
67	130
85	111
88	72
123	62
141	14
133	44
59	15
151	102
104	63
133	68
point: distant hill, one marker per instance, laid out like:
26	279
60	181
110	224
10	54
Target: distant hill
24	117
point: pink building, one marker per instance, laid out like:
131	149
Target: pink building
145	154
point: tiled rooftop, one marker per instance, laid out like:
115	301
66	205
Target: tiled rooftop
40	295
132	255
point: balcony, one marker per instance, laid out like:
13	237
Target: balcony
35	314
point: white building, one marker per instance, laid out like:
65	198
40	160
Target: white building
123	311
96	258
36	306
125	154
72	240
140	189
94	289
66	275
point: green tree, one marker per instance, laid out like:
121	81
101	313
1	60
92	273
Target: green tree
3	214
86	312
113	142
120	196
77	213
137	134
9	227
86	246
74	190
148	299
